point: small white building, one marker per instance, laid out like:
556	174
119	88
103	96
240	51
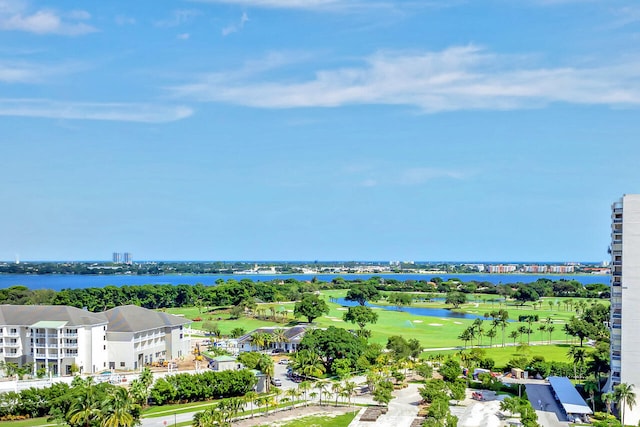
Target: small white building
138	337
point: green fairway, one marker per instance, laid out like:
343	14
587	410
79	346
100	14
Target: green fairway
432	332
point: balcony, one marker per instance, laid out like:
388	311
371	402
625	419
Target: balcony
12	344
69	335
70	345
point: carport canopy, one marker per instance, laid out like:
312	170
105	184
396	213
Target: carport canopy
568	396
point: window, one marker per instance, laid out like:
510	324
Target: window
104	347
122	364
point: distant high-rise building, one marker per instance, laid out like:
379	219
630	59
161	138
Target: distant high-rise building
117	258
127	258
625	297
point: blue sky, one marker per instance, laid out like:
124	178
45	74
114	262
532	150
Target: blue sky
316	129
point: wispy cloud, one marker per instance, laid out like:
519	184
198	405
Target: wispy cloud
16	15
178	17
233	28
183	36
123	20
124	112
390	175
30	72
285	4
458	78
18	73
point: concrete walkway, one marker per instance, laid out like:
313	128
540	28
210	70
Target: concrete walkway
403	409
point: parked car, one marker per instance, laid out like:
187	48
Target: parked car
276	382
283	362
277	350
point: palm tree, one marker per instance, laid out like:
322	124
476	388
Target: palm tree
336	388
322	386
85	406
308	364
542	329
514	334
624	396
608	399
591	387
349	388
250	397
279	336
491	334
265	365
550	329
204	419
304	387
118	409
578	355
292	394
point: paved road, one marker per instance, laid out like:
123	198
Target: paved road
403	409
549	412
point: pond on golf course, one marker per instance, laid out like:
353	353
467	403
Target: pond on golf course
418	311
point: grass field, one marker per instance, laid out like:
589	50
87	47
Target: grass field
319	421
432	332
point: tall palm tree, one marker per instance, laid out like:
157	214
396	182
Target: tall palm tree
304	387
118	409
624	396
491	334
293	395
349	387
578	354
336	388
590	387
321	386
250	397
265	365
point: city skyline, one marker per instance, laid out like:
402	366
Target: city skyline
324	129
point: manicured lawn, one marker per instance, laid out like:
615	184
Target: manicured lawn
501	355
32	422
432	332
319	421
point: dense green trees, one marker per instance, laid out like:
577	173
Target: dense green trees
311	306
360	315
363	292
333	343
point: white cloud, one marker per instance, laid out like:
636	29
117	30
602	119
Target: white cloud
16	16
284	4
458	78
125	112
178	17
18	73
124	20
233	28
417	176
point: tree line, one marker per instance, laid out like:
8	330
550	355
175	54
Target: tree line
246	291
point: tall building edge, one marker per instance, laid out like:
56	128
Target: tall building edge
625	297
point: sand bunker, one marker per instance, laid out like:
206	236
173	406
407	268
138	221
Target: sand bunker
417	321
342	309
336	320
458	323
435	324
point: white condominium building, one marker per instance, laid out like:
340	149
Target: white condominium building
625	297
58	337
